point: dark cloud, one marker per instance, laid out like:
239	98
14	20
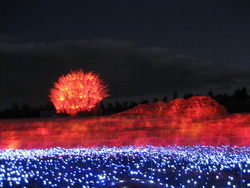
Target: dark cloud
29	70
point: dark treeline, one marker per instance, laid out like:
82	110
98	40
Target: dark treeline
238	102
26	111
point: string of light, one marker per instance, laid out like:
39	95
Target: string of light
171	166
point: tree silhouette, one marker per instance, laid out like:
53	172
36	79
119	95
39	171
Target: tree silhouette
155	100
188	95
165	99
240	95
125	105
133	104
175	95
210	94
15	111
144	101
26	110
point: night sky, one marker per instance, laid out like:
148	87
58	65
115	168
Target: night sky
140	48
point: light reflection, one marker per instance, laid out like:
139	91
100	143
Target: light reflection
124	130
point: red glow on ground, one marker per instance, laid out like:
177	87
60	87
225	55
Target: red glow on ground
77	91
125	130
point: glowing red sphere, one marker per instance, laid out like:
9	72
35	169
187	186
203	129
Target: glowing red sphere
77	91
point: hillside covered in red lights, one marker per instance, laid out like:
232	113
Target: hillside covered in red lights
196	106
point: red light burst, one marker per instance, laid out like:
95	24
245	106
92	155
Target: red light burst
77	91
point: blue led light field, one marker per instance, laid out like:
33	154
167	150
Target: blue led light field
171	166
